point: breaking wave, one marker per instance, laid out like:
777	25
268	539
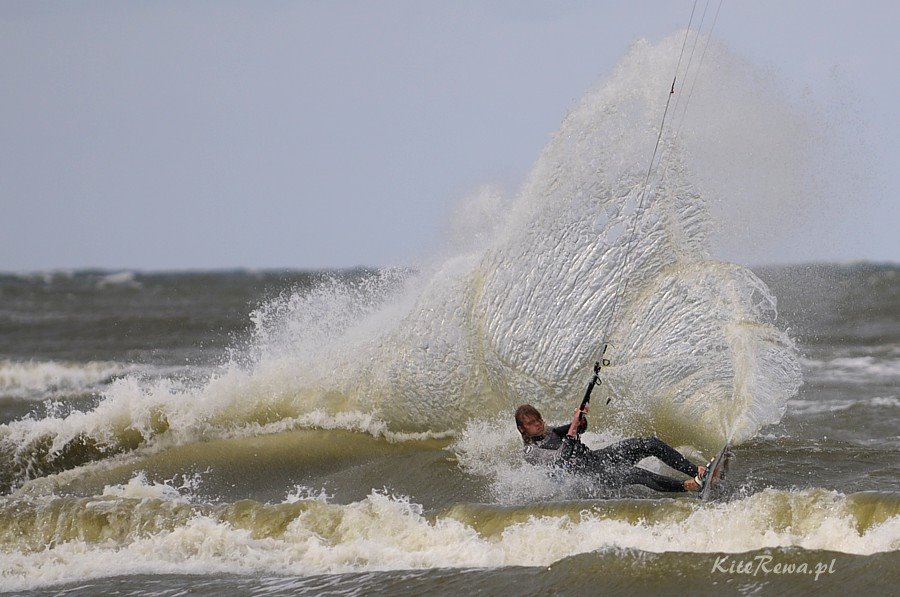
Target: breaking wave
154	528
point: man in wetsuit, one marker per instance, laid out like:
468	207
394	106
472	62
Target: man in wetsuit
614	465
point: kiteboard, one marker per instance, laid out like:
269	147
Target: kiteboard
715	476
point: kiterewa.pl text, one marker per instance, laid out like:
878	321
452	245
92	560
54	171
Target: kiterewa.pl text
765	564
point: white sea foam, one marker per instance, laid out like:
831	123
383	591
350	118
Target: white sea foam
855	369
46	276
38	380
140	488
121	279
301	493
817	406
386	532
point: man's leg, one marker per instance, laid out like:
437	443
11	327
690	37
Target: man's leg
639	476
633	450
670	456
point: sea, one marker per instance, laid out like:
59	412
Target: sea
350	432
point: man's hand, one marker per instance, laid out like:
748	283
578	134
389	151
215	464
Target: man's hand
576	421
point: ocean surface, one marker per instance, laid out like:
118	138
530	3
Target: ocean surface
139	455
350	432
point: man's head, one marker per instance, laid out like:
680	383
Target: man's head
530	423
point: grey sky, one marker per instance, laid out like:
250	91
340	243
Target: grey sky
173	135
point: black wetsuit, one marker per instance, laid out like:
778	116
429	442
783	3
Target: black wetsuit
615	464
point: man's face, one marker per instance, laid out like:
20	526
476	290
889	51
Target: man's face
533	426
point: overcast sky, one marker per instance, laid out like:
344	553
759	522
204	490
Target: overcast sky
185	135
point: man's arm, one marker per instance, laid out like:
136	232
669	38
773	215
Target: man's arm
578	424
563	430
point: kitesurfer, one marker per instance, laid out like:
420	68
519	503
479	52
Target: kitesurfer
614	465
